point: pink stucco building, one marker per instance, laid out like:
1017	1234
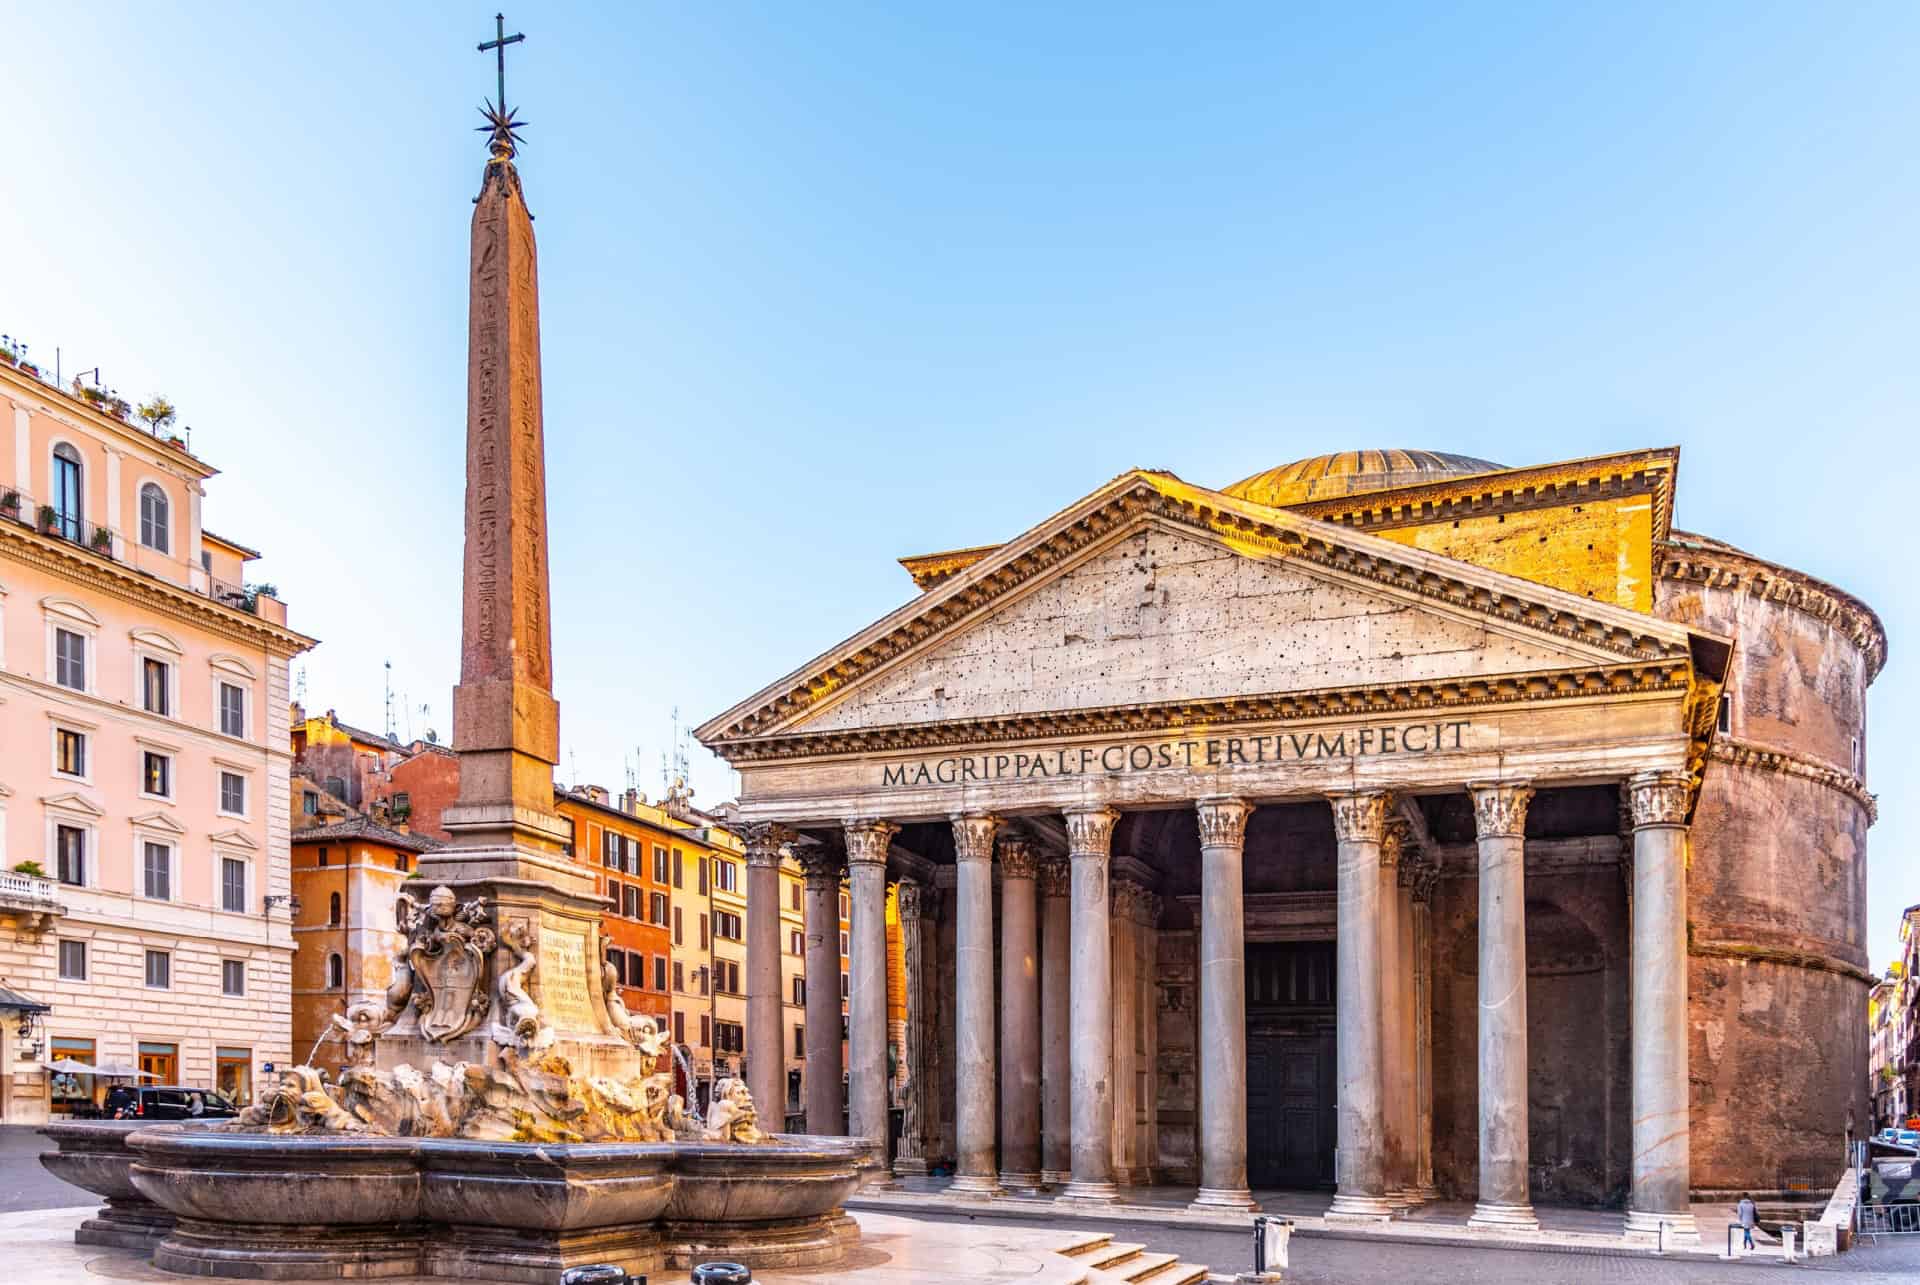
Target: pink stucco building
143	766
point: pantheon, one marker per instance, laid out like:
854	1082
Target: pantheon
1393	823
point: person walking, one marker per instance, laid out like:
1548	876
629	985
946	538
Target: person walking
1748	1216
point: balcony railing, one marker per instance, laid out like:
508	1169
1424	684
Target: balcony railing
32	896
24	510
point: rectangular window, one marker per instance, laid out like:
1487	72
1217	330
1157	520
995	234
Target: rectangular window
233	977
799	1041
795	941
71	1089
679	1028
703	930
73	961
733	978
310	803
156	870
658	906
706	979
233	793
679	975
618	960
159	969
233	1074
156	774
727	875
609	854
632	902
1724	722
70	659
844	952
846	910
679	938
233	885
700	867
659	972
71	845
726	925
153	686
676	869
636	968
800	990
161	1062
793	895
706	1029
69	752
233	709
614	888
846	991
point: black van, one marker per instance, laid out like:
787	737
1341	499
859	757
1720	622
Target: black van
167	1102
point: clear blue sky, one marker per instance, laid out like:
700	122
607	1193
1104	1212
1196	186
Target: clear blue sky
825	284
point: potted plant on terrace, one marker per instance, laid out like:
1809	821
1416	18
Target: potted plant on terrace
33	868
159	414
49	519
10	504
103	541
7	358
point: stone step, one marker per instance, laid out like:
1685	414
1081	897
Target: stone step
1174	1273
1083	1243
1142	1267
1110	1256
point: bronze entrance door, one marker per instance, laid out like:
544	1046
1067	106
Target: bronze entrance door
1290	1064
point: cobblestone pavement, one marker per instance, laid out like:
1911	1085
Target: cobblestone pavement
24	1184
1322	1260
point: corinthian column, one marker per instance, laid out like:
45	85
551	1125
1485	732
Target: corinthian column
1223	1007
1500	821
973	1005
766	1042
1089	848
1019	1018
826	1095
921	1107
1661	1112
1359	824
1395	1126
1056	1073
867	844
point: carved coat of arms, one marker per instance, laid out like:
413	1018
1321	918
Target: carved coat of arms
449	953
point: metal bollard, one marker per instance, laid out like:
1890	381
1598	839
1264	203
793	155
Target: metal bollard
1270	1236
1786	1243
722	1274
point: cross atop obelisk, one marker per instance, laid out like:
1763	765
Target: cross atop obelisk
506	724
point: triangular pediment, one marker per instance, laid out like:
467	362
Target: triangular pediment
1152	591
157	821
234	839
72	802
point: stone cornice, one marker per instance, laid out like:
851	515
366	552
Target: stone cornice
1253	529
1699	560
930	569
1757	953
1766	758
1543	486
105	576
1649	678
24	390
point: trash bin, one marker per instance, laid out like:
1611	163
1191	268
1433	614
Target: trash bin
599	1274
722	1274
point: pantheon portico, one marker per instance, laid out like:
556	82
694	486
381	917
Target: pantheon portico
1334	830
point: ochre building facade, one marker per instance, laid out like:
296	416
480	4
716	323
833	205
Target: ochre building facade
1391	822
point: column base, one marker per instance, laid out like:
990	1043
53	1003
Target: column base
909	1167
1645	1228
1403	1198
1493	1216
973	1184
1055	1177
1355	1209
1427	1193
1213	1200
1021	1182
1088	1193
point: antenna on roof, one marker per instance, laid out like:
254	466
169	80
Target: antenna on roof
389	727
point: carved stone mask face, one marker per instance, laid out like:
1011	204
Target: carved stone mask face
441	901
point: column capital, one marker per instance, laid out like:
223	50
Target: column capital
1134	903
1090	832
821	866
1223	820
1658	799
765	841
1056	877
973	835
1393	842
1017	857
1361	817
868	841
1500	808
914	900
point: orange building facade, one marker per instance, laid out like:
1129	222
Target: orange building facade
627	853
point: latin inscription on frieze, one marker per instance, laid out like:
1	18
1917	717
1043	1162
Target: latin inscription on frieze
1181	754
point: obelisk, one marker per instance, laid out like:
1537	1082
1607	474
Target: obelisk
508	866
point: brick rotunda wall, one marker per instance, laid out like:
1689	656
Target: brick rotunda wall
1777	887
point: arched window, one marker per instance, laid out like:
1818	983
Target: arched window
153	517
67	505
333	908
336	973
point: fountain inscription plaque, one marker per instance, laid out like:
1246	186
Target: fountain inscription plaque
564	998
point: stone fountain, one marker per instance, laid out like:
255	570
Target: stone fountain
500	1115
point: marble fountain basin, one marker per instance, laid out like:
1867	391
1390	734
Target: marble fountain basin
290	1207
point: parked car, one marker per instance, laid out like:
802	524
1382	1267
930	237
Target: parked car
167	1102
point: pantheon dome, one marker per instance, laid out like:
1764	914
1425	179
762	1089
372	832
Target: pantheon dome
1321	477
